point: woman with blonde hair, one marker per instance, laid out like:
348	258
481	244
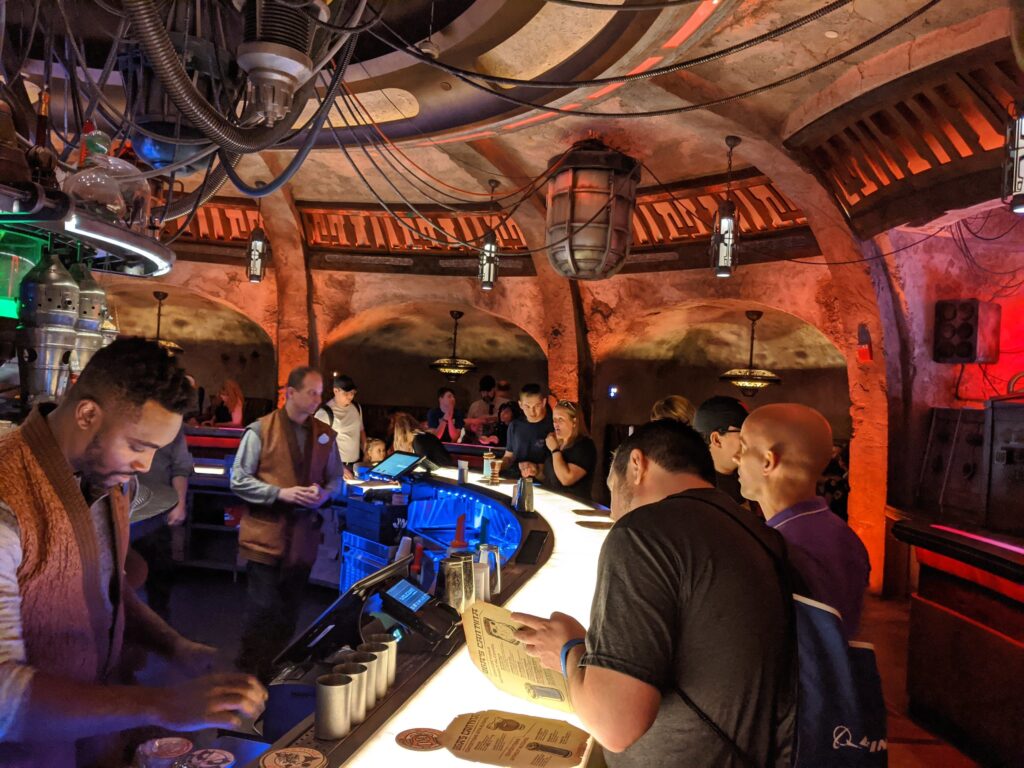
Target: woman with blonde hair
675	407
409	438
229	412
572	455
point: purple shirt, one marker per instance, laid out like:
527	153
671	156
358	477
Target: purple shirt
829	557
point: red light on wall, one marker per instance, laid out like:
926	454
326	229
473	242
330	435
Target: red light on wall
864	352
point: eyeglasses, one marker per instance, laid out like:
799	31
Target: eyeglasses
568	405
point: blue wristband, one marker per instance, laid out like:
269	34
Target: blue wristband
565	654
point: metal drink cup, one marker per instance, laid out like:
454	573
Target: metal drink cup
381	652
333	706
372	663
392	644
360	679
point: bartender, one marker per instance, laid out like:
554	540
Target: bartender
287	467
65	607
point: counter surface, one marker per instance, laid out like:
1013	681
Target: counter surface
565	582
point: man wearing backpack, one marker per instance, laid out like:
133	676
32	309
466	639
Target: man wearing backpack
784	448
690	654
346	419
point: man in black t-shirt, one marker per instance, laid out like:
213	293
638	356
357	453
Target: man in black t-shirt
687	602
526	436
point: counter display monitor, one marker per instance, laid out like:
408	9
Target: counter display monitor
396	465
409	595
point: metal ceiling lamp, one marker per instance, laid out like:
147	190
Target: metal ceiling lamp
170	346
258	248
1013	166
750	380
724	247
453	367
591	197
489	258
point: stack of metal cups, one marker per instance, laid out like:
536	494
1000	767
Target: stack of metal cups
371	669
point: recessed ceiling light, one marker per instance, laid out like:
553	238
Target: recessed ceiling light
831	34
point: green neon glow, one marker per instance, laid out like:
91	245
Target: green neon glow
8	307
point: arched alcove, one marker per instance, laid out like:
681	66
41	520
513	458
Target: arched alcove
388	350
683	349
218	342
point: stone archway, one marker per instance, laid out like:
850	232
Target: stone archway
387	350
218	341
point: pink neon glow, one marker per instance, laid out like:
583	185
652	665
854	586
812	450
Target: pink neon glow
984	539
699	16
643	67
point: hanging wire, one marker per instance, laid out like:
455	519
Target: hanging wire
630	78
672	110
638	7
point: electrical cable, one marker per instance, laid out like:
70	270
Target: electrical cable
361	27
638	8
401	222
300	157
655	72
857	261
977	235
473	242
195	207
544	174
673	110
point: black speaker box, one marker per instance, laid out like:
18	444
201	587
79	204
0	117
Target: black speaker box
966	331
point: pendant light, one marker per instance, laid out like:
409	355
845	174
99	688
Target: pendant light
750	380
258	249
170	346
489	258
1013	167
453	367
724	247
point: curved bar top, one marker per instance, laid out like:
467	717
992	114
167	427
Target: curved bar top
563	581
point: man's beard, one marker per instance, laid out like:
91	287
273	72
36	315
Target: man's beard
91	465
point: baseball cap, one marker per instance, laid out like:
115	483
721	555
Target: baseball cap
718	414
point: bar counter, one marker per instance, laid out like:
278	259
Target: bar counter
563	580
965	663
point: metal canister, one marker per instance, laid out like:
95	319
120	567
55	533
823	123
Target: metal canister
486	552
47	311
459	589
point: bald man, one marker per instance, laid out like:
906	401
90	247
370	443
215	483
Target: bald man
783	451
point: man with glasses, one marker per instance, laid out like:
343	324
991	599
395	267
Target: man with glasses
719	420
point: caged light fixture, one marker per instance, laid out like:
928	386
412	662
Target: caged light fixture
724	246
489	258
1013	165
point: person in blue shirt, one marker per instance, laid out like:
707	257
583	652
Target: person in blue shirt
446	421
525	449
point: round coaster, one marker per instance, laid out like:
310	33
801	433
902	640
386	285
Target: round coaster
168	747
293	757
420	739
209	758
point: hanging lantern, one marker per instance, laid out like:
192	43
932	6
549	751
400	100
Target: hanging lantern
488	272
1013	165
724	245
750	380
453	367
591	197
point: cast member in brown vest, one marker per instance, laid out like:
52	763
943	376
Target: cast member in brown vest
286	468
65	608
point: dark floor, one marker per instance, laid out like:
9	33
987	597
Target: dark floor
207	606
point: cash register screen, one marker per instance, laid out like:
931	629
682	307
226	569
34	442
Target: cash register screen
395	465
408	595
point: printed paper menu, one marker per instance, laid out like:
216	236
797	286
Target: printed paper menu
517	741
490	637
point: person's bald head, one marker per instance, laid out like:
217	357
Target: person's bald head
784	448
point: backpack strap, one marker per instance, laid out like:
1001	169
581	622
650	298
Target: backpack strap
330	414
785	575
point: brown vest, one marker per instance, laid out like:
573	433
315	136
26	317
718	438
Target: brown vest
281	533
68	630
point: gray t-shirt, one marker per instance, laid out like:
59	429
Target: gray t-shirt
686	598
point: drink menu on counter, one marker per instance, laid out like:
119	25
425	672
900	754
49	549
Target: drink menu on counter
516	741
490	637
